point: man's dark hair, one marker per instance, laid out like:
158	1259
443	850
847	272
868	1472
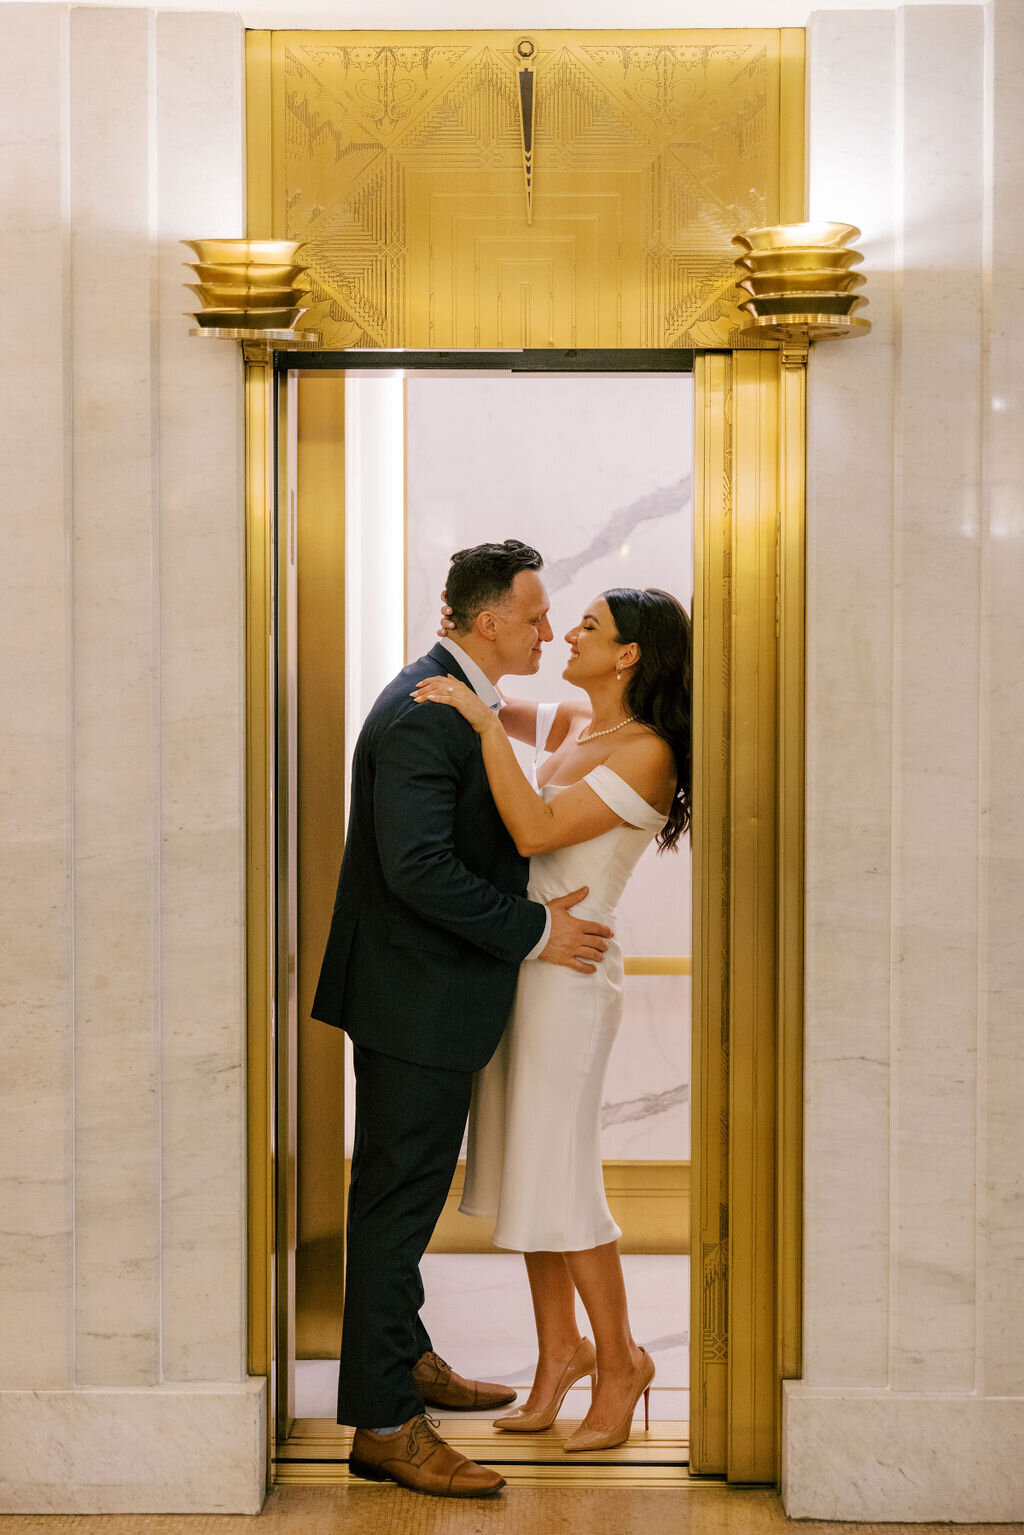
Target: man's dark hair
483	575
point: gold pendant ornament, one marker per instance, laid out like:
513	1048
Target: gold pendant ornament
525	52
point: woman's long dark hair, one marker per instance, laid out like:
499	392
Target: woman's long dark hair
658	691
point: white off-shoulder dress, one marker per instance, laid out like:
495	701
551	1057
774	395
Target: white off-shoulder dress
534	1157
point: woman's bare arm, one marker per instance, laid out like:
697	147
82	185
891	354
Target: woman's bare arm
519	717
576	814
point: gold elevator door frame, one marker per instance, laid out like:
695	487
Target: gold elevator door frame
747	1018
373	267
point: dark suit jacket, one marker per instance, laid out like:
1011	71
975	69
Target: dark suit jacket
430	921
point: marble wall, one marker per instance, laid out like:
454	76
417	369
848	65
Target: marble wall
912	1399
596	473
122	1279
122	1127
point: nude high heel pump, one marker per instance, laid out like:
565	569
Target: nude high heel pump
606	1439
520	1421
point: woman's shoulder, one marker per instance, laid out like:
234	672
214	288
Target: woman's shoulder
644	760
640	742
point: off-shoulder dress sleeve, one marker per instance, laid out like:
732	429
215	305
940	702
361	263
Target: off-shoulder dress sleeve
545	719
624	800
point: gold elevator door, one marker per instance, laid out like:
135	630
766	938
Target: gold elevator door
748	532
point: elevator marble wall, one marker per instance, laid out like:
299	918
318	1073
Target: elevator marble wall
597	474
122	1149
912	1399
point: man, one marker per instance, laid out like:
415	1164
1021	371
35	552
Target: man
431	923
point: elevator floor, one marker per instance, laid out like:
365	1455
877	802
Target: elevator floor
479	1317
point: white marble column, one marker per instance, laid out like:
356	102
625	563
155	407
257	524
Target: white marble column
36	1037
200	120
1001	1035
116	702
915	1161
122	1141
851	132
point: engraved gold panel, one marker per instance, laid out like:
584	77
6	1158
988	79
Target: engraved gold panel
398	157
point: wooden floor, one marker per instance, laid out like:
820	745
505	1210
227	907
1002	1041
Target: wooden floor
696	1509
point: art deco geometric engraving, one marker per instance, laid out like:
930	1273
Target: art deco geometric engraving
399	159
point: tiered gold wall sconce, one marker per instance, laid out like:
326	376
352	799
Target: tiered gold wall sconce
249	290
797	282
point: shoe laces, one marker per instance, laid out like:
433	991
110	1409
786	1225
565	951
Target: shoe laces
424	1427
442	1369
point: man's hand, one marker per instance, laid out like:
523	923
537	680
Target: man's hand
573	941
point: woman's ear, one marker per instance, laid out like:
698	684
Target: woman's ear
628	656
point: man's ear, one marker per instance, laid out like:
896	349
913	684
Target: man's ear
486	625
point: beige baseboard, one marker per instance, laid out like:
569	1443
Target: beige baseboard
189	1448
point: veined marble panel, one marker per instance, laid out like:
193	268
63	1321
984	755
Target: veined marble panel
172	1449
553	461
937	515
646	1111
35	765
851	134
595	472
116	783
200	124
894	1457
1001	1166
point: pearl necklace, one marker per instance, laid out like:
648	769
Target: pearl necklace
582	740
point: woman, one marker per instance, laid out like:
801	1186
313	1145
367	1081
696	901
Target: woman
616	773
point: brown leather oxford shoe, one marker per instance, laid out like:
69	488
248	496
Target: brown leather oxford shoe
439	1386
416	1457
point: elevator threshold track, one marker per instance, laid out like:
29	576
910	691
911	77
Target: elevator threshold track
316	1454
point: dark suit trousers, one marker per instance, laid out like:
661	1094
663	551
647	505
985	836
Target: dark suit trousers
409	1126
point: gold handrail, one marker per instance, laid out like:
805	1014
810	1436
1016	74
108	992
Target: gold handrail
658	964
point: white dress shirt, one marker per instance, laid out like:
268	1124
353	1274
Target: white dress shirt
484	688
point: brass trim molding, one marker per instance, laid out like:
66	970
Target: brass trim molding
790	940
752	979
259	504
709	1129
748	895
320	1149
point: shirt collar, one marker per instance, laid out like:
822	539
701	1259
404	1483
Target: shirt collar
482	686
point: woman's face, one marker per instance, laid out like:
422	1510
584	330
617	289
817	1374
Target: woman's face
593	649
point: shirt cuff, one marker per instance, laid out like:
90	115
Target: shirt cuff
542	943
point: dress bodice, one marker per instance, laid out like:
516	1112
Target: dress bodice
603	863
